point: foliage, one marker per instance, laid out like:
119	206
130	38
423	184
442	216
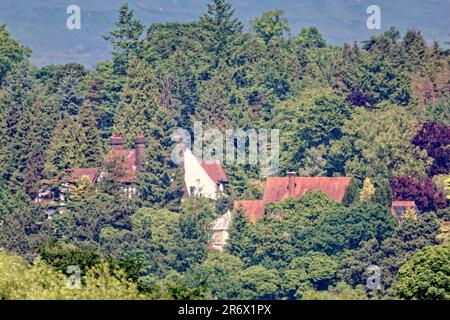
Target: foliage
341	291
435	139
376	144
38	281
426	276
376	112
423	191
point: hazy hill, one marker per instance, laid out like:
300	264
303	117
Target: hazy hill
41	24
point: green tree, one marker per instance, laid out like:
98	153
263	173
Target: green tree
426	276
237	233
64	150
126	39
259	283
377	144
38	281
311	38
220	272
11	52
341	291
222	31
90	144
270	25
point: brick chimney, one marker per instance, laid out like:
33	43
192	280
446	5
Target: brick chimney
117	141
140	143
291	183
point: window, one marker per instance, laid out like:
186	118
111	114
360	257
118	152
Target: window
191	191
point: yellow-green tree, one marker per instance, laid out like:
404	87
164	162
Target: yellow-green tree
367	191
38	281
410	214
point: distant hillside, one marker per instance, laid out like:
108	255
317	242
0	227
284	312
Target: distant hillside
41	24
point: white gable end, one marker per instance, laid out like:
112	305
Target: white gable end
196	178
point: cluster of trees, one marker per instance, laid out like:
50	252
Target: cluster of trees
377	112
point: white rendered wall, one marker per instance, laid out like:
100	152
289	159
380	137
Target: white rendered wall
196	176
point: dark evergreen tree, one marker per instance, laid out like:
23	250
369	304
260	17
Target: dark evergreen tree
222	31
125	39
88	119
238	233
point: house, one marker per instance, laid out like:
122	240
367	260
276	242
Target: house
219	230
398	208
207	179
281	188
203	178
125	162
278	189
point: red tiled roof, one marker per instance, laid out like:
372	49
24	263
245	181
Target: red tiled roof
77	173
253	209
277	188
215	171
127	158
399	207
403	203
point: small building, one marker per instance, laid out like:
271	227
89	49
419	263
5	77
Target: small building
127	162
219	230
398	208
203	178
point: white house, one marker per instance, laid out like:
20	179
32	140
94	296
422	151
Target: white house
203	178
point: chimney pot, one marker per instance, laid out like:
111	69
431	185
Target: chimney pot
291	183
117	141
140	143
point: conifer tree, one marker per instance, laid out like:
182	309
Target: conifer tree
237	233
139	101
17	123
161	184
64	150
125	39
222	31
34	171
87	119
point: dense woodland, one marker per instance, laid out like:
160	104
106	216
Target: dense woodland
376	111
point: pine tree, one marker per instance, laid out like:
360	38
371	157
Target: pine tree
125	39
161	184
270	25
237	233
64	150
34	172
65	86
142	111
139	101
18	123
90	144
222	31
414	48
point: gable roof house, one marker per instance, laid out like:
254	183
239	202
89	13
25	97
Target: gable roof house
203	178
281	188
129	160
398	208
207	179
